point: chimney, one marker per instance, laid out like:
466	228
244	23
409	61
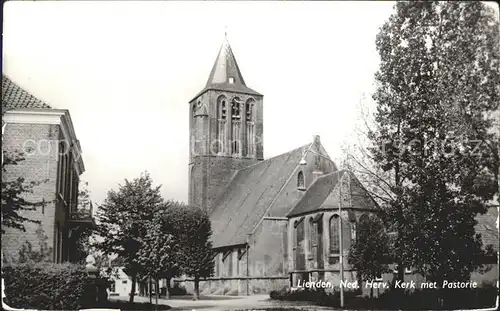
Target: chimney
316	139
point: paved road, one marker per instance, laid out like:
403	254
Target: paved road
223	303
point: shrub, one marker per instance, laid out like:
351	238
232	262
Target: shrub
178	290
317	296
49	286
482	297
420	299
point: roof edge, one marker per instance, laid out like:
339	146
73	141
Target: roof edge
215	88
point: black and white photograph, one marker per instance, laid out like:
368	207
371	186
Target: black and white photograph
250	155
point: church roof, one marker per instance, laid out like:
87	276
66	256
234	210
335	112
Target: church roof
321	189
14	97
317	193
226	74
249	194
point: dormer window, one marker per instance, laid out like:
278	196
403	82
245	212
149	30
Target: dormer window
300	181
231	80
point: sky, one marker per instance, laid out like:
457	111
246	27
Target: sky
126	71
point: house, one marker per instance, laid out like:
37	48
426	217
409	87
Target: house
53	156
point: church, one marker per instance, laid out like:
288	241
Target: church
279	220
274	220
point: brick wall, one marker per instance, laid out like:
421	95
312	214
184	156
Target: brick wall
209	173
40	163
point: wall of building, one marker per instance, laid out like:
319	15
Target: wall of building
45	162
210	172
236	286
39	143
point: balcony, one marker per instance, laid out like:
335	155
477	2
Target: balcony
81	214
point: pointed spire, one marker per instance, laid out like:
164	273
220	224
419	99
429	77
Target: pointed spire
225	69
226	74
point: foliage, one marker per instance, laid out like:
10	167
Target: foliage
47	286
43	253
178	290
430	299
316	296
370	253
194	232
420	299
122	223
14	195
437	95
159	254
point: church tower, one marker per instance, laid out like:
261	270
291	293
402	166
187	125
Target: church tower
225	130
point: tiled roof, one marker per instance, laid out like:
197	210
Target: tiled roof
487	227
322	188
226	67
248	195
13	96
317	193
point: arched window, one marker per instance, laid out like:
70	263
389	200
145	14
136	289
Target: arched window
300	180
313	238
353	231
235	108
310	234
346	234
221	108
249	110
250	127
299	244
221	125
334	235
235	125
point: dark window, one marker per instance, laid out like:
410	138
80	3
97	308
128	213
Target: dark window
334	235
249	111
235	126
221	126
299	246
346	234
235	108
300	180
221	108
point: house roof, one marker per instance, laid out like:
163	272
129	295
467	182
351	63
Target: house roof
487	227
224	68
14	97
321	188
317	193
249	194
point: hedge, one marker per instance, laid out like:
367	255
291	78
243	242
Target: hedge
49	286
428	299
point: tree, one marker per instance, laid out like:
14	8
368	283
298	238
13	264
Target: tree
42	254
439	65
370	253
159	254
198	256
15	194
121	224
